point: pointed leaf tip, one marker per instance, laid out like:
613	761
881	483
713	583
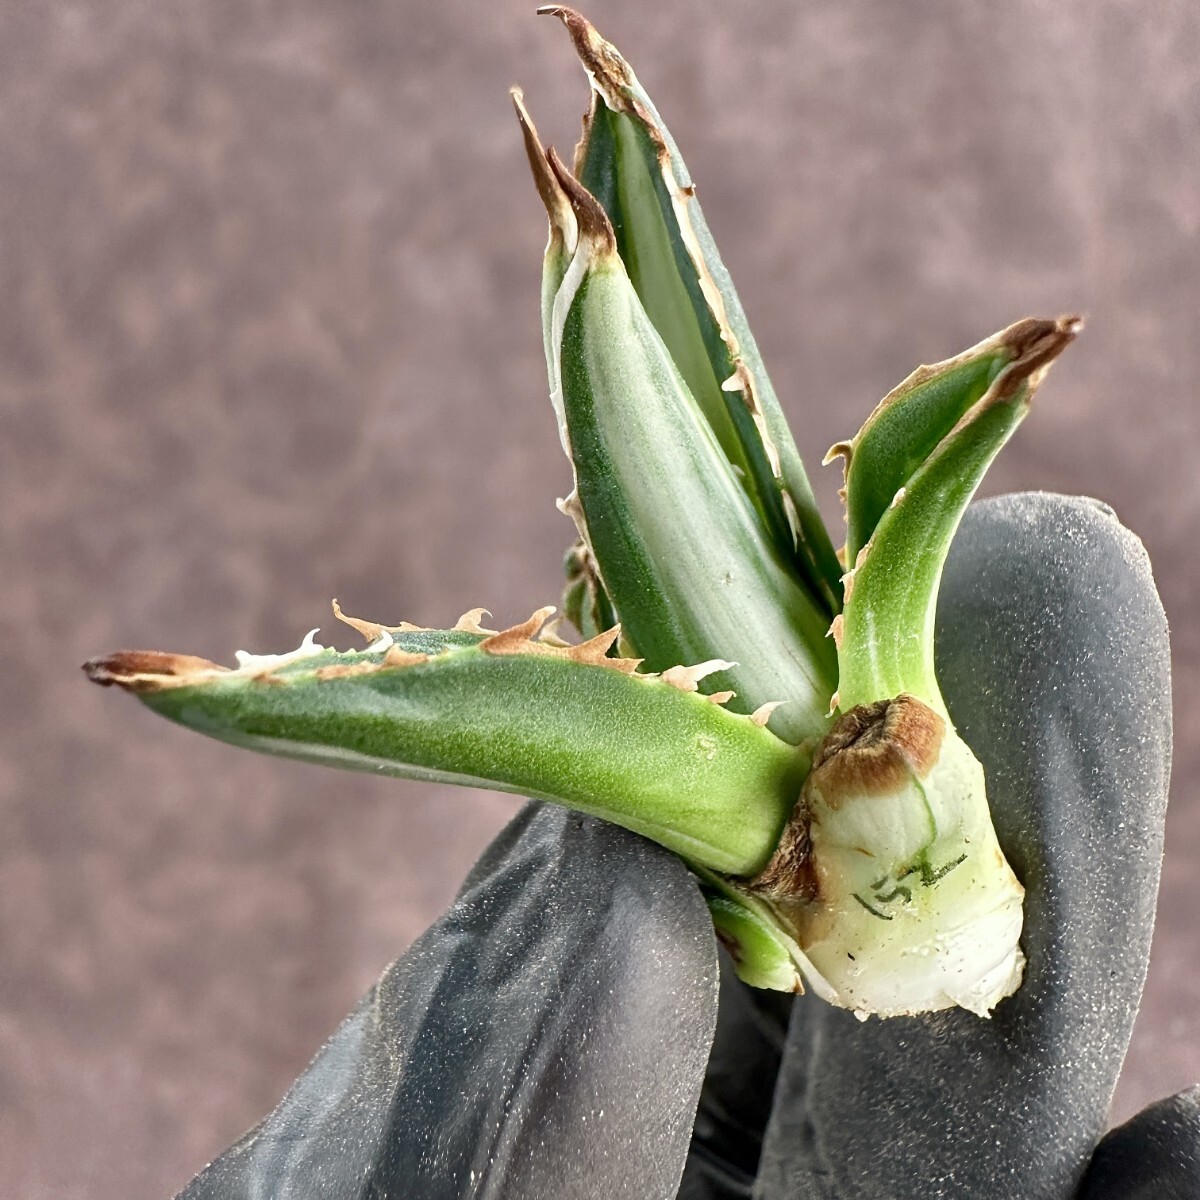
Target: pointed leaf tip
558	206
589	212
1035	343
604	63
149	670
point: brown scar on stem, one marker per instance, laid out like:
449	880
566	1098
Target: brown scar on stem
147	671
875	749
790	874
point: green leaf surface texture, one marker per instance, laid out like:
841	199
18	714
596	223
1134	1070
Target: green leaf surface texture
711	785
902	433
629	161
913	469
683	555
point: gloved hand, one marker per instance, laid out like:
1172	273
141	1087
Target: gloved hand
548	1037
1053	657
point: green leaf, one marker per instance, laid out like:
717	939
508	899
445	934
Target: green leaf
585	602
508	710
764	951
678	545
628	160
904	430
925	449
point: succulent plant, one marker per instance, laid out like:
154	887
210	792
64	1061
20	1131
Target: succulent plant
761	705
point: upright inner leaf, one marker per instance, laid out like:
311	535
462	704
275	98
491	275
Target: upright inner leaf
684	556
636	199
630	165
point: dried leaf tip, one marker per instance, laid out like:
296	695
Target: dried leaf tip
762	714
558	207
589	213
469	622
610	74
149	670
842	450
518	639
1034	343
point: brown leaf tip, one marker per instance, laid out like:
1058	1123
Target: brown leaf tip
600	58
790	876
148	670
589	212
558	206
1035	343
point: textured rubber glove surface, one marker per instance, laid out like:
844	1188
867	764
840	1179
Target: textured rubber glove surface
547	1037
735	1104
1153	1156
1053	657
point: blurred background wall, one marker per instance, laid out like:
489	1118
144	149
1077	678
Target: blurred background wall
269	335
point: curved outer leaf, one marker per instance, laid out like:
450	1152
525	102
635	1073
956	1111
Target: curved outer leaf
907	426
562	723
546	1037
629	161
885	633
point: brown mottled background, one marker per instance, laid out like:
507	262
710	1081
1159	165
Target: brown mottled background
269	335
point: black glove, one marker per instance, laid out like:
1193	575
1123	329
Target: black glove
548	1036
1053	656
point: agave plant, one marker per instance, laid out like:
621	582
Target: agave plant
760	704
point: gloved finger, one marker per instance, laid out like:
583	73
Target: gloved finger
1053	658
739	1085
546	1037
1153	1156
